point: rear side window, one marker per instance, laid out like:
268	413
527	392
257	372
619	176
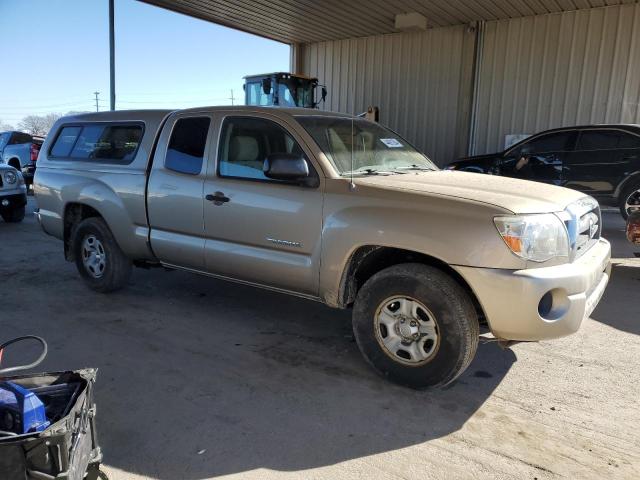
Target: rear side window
185	153
106	143
628	140
65	141
19	137
598	140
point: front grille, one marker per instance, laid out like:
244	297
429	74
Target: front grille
583	220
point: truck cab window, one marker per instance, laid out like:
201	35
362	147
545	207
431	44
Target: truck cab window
246	142
185	153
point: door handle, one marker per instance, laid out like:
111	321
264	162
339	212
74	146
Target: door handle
217	198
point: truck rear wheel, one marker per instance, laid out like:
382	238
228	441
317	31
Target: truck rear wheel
15	215
100	261
416	325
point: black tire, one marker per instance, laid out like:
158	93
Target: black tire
453	312
635	186
116	268
15	215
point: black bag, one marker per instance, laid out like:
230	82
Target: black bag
68	448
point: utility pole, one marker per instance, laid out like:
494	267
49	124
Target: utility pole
96	94
112	57
232	98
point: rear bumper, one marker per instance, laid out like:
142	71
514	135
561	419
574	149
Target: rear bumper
511	299
28	171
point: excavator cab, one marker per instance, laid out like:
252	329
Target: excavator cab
283	89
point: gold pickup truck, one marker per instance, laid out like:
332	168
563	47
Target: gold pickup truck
331	208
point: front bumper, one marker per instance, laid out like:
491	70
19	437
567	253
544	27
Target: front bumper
510	299
9	202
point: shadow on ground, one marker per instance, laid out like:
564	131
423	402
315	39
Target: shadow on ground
619	307
199	378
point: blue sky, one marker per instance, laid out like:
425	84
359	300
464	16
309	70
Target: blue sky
55	54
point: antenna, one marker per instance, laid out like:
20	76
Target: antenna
352	186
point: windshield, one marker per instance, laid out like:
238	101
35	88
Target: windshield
360	146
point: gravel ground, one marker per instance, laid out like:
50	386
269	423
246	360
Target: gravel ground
201	379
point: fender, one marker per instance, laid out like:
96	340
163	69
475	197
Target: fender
403	226
112	198
630	179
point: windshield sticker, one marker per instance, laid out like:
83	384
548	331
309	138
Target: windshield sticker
391	142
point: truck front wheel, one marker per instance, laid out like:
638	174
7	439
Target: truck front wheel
416	325
100	261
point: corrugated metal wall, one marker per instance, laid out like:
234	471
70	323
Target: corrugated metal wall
556	70
420	81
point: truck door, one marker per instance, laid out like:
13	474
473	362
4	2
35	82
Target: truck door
261	230
174	195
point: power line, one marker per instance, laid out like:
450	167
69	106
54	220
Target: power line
42	107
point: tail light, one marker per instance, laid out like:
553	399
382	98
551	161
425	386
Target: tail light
35	150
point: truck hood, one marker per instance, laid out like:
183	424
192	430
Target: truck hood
517	196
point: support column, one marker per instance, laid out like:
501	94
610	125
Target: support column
296	56
112	58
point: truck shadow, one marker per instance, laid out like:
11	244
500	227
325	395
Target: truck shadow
199	378
619	306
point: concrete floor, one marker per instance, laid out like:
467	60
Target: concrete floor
201	379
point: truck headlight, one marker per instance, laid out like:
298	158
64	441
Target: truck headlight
538	237
10	178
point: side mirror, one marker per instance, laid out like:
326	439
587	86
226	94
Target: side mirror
266	86
287	167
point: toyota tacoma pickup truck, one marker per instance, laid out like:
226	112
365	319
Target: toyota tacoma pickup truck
13	194
330	208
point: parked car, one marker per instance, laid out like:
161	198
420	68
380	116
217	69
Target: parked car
600	160
331	208
20	150
13	194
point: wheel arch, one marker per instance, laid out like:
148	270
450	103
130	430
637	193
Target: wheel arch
74	213
624	184
368	260
15	163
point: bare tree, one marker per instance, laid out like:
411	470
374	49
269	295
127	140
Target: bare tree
50	119
33	124
5	126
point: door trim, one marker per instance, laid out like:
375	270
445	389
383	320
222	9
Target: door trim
242	282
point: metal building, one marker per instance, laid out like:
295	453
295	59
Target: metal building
456	76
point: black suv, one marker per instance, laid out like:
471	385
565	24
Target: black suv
599	160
